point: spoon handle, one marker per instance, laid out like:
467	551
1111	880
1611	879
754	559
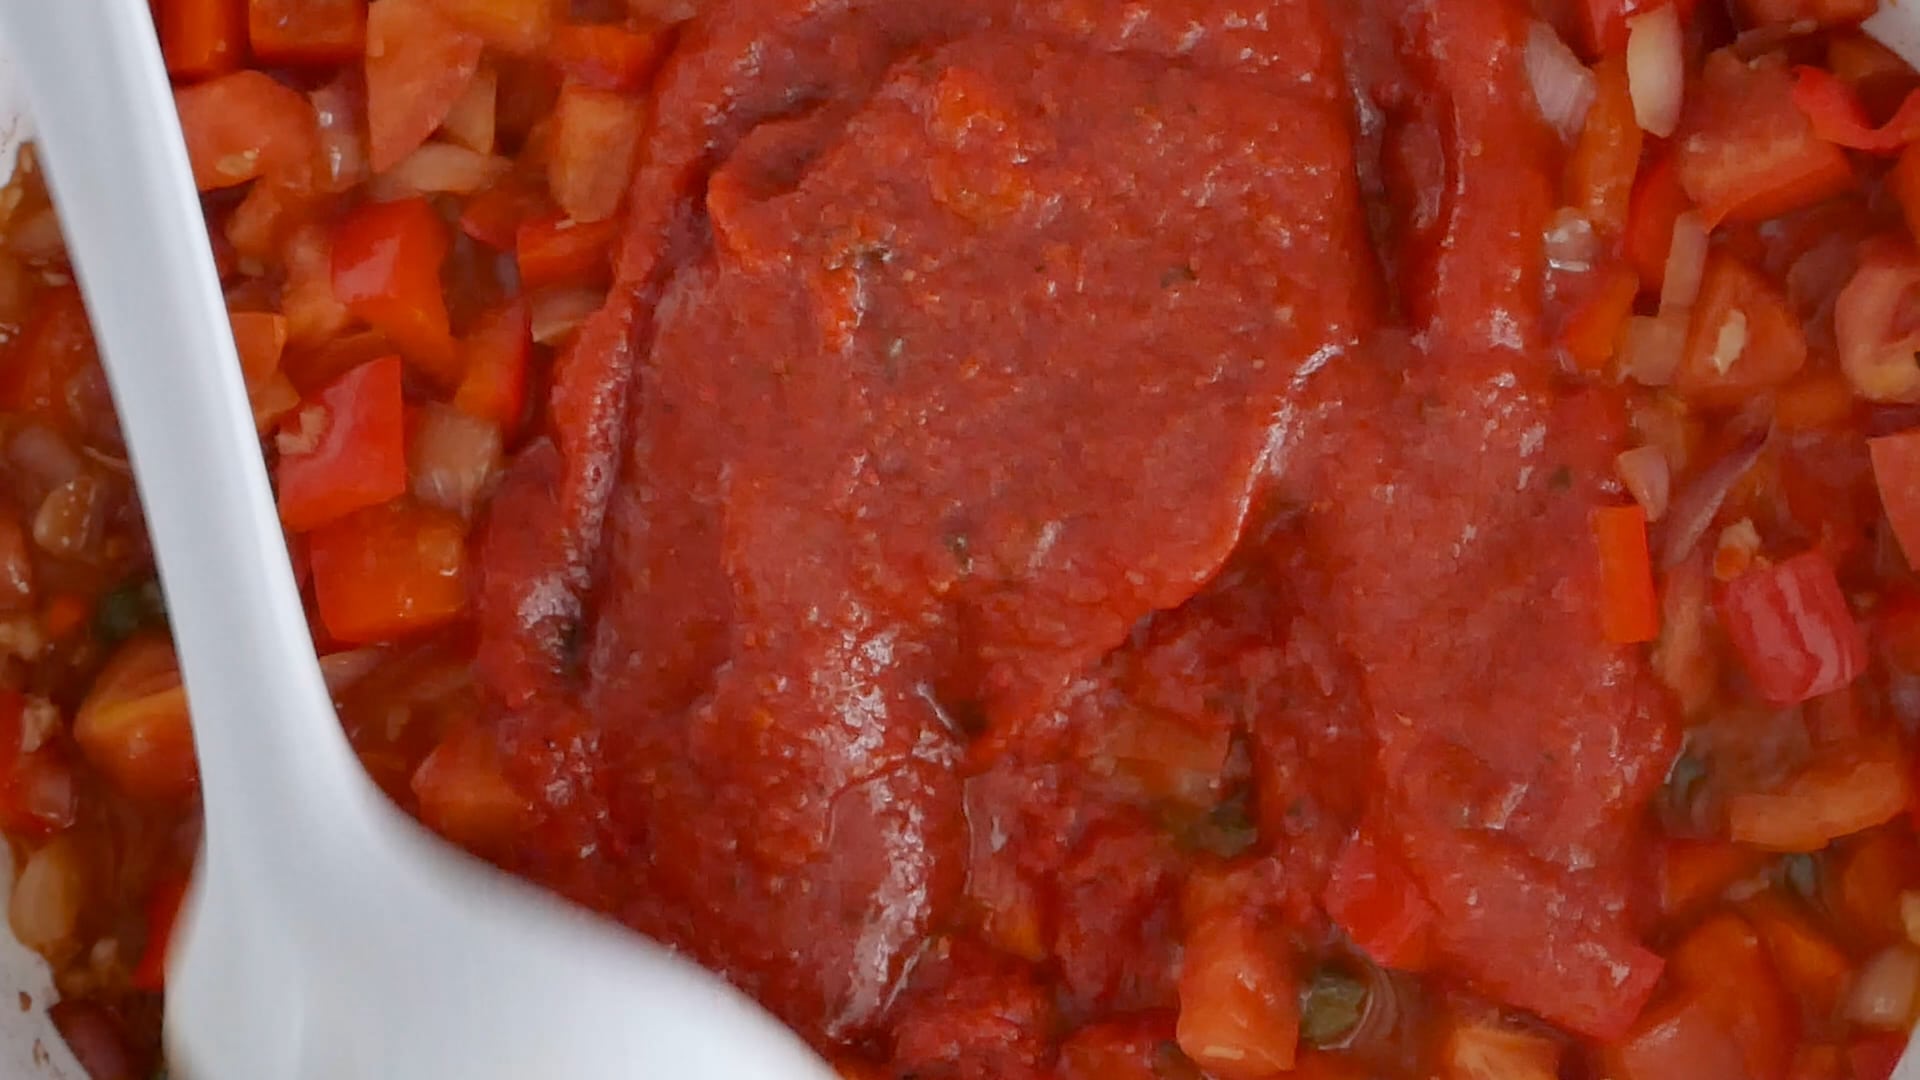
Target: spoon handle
266	735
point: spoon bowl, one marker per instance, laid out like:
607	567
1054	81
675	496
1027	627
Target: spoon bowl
326	934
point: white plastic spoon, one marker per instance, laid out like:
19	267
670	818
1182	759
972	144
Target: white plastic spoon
327	935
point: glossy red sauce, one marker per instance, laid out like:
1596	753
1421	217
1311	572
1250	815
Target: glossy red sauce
1021	428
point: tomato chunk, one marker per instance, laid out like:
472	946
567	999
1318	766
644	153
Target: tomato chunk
1374	899
609	57
494	387
244	126
596	134
418	66
1793	630
202	38
1744	336
307	31
1896	473
386	270
1839	118
1746	152
388	570
355	454
515	26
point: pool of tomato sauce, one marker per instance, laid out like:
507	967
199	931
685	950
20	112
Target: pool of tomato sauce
1027	435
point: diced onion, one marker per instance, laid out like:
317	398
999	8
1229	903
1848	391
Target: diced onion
44	456
1695	507
71	518
1887	990
1656	69
1651	350
340	108
438	168
44	910
1647	477
1686	263
1562	85
1730	342
450	458
1571	243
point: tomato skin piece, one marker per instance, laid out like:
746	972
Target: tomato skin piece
202	38
244	126
1630	609
556	250
1739	307
386	269
360	457
307	31
497	353
1374	899
418	66
609	57
1605	160
1792	627
1745	151
1896	473
388	570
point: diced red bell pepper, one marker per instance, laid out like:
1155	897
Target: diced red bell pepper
1591	334
1745	151
163	912
1896	473
497	353
607	56
494	216
555	250
418	66
1839	118
307	31
1606	158
386	270
388	570
596	134
1793	630
56	346
202	38
260	337
244	126
522	27
464	794
1744	336
1374	899
1657	203
358	455
1629	608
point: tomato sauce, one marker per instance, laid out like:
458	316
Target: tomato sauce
1056	539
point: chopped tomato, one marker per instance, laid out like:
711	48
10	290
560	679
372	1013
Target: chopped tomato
515	26
1896	473
1374	899
418	66
463	792
1870	873
1746	152
1600	173
1239	1005
163	912
1839	118
1591	334
1657	203
609	57
386	270
497	352
1829	799
1629	609
1874	325
260	337
244	126
1813	968
596	134
1694	873
1725	961
307	31
56	346
347	450
202	38
388	570
494	216
133	725
1793	629
1682	1037
556	250
1744	336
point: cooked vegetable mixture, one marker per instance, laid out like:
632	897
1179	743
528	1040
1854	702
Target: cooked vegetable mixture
1056	538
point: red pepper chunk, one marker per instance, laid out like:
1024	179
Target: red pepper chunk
1629	609
494	387
1374	899
555	250
357	456
1745	150
388	570
202	38
386	270
1793	630
1839	118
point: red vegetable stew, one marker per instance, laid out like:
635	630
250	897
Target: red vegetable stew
1048	538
